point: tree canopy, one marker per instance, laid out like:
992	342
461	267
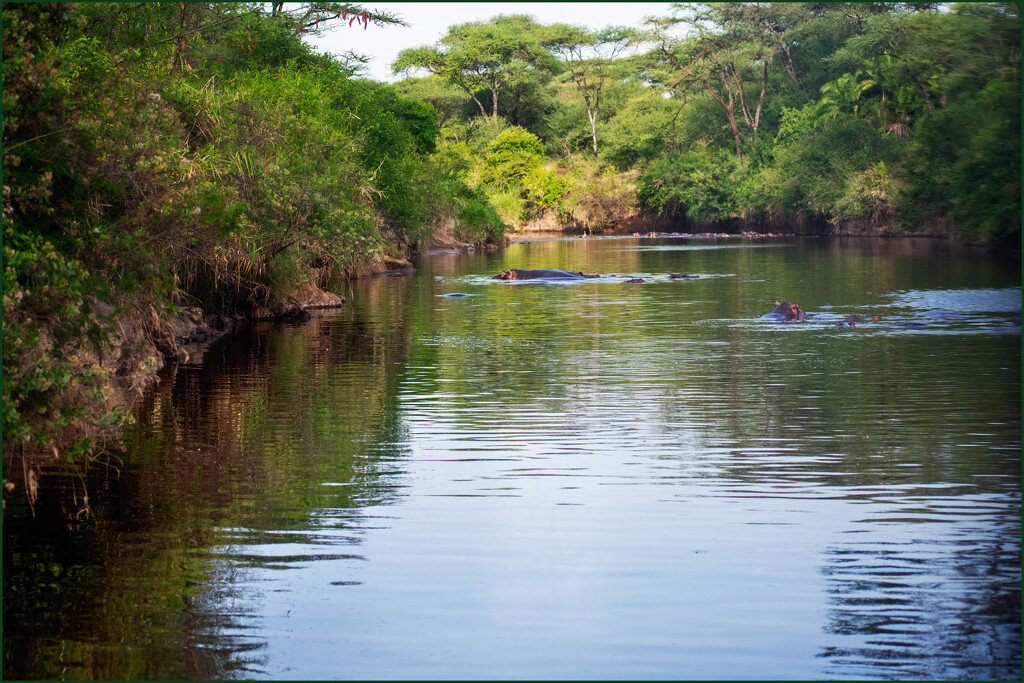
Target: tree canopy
477	56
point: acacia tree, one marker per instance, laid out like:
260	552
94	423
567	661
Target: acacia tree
480	55
727	51
590	58
308	16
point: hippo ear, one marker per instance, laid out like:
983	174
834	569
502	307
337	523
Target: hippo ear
778	303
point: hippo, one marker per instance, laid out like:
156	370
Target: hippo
852	320
681	276
785	311
543	274
635	281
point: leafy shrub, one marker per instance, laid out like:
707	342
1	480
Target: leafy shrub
639	132
483	130
545	188
699	184
966	163
512	154
510	206
85	63
49	320
479	221
815	160
871	194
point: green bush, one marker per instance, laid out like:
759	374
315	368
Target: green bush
871	194
482	130
596	197
545	188
700	184
479	221
640	132
817	162
49	321
966	162
510	206
512	154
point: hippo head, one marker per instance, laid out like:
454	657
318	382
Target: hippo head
788	311
505	275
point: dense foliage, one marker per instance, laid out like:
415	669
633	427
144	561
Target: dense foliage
851	116
169	154
162	155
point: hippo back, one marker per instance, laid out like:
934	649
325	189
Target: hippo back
542	274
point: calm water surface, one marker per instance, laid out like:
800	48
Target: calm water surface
564	480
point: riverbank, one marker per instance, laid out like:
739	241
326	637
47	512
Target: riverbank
638	222
147	344
145	340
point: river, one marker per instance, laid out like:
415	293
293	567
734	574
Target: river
579	479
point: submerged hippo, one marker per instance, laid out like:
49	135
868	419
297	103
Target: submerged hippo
784	311
681	276
542	274
852	320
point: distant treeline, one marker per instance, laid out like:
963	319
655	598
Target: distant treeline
886	114
161	155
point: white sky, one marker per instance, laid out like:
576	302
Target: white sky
428	21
